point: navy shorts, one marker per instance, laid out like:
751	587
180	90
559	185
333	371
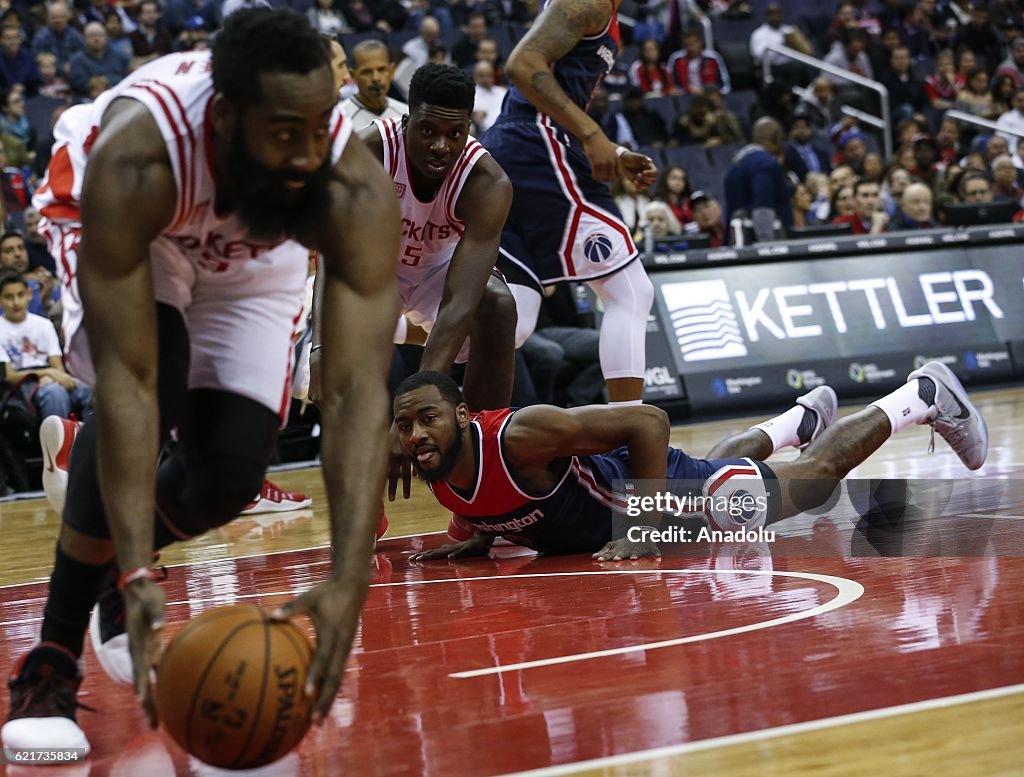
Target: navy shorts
563	225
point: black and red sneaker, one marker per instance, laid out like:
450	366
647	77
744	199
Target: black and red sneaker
43	686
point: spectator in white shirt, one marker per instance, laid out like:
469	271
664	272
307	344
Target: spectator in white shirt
774	33
489	97
418	49
1013	120
31	356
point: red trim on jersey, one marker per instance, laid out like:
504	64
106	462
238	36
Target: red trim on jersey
60	176
286	394
455	174
61	211
731	473
585	477
577	198
337	128
182	212
391	144
190	192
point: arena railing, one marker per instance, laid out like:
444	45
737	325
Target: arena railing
967	118
838	72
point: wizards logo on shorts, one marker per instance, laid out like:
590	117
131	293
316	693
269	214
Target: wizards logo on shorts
597	248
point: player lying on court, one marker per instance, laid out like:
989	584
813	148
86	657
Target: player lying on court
543	477
454	199
199	183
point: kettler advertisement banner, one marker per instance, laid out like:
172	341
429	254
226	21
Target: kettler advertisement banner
771	331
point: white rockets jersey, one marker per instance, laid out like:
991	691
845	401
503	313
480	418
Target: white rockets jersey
430	230
177	90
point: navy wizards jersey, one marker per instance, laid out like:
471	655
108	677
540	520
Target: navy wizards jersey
580	71
576	516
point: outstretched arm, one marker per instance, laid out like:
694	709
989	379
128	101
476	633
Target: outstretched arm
483	207
128	172
358	243
557	30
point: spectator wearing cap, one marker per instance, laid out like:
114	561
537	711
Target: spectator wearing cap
96	59
925	155
17	65
195	36
707	218
756	182
694	69
649	74
1013	65
801	156
906	93
179	15
150	38
915	211
57	37
852	148
867	218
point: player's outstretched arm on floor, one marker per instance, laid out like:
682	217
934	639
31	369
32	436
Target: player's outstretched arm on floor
553	35
483	207
358	243
128	198
538	435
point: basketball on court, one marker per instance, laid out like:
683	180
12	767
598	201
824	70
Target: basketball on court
230	687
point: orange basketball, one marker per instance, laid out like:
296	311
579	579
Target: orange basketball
230	687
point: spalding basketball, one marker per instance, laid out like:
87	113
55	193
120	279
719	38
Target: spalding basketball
230	687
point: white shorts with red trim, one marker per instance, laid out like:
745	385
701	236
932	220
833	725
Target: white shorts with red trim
736	497
240	331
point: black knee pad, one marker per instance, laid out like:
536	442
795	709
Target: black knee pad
196	494
83	505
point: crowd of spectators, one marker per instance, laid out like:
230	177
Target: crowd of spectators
789	135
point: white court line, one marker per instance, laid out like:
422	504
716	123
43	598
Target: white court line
848	591
770	733
248	555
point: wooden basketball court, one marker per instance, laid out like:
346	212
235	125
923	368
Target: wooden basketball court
838	649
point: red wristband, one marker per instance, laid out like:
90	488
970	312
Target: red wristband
133	575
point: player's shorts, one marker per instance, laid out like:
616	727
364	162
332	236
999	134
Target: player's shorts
729	494
420	300
563	225
240	331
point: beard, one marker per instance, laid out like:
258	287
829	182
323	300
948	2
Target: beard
265	204
444	467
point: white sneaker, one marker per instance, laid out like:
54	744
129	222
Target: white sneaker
823	402
109	639
957	420
56	436
43	687
272	499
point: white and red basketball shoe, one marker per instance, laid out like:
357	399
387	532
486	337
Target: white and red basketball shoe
272	499
56	436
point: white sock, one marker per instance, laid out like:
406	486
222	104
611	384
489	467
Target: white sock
783	428
626	402
904	406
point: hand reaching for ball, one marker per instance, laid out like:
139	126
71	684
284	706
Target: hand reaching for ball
144	604
334	606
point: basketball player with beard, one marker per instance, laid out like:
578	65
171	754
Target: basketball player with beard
199	183
564	224
552	479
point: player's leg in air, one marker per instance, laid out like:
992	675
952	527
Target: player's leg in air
932	395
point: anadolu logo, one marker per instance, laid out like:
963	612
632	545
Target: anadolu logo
597	248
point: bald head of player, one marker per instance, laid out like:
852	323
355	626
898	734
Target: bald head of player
432	421
271	111
437	125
